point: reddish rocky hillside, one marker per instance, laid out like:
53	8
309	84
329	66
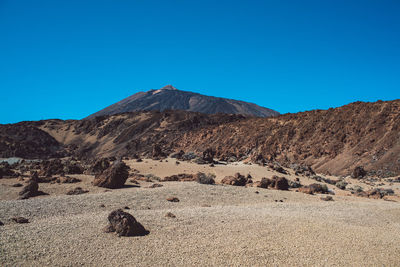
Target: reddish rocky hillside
334	140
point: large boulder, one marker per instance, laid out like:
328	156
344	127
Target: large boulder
237	180
113	177
358	172
124	224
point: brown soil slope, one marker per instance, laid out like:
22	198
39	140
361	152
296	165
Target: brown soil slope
334	140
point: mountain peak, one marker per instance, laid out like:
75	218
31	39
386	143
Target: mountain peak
170	98
168	87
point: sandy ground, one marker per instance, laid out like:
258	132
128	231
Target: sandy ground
215	225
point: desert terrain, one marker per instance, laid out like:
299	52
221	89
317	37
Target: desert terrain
214	225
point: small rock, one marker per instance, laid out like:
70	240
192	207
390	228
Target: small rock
1	223
20	220
17	185
173	199
170	215
77	191
155	185
102	206
126	208
327	198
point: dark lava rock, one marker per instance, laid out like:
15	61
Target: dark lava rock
314	188
113	177
17	185
49	168
237	180
327	198
157	152
264	183
182	177
67	180
124	224
29	190
155	185
202	178
20	220
173	199
208	155
77	191
281	183
99	166
358	172
170	215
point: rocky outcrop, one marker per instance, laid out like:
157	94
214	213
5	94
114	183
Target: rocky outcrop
113	177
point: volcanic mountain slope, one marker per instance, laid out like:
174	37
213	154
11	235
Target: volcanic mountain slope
169	98
334	140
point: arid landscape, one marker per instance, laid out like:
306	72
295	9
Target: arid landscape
183	188
195	210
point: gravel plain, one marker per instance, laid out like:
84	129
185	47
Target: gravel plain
215	225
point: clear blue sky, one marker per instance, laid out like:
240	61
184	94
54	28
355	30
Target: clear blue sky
68	59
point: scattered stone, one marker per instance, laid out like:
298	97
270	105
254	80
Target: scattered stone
281	183
20	220
126	208
173	199
341	184
257	192
29	190
208	155
276	167
99	166
102	206
113	177
327	198
237	180
1	223
294	184
358	172
67	180
177	163
124	224
16	185
182	177
77	191
157	152
314	188
302	170
155	185
202	178
170	215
